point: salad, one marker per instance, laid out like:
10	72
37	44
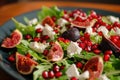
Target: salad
66	45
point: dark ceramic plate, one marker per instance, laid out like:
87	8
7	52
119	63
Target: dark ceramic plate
9	26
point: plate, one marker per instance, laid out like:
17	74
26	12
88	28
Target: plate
9	26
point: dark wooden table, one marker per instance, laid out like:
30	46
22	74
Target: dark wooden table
11	10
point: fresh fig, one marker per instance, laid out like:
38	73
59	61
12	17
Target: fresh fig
84	24
94	66
72	34
107	44
48	20
24	65
55	53
13	40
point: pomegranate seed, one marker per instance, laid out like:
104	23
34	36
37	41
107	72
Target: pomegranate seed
51	74
79	65
46	37
78	19
62	67
82	38
109	52
60	39
56	31
73	78
66	41
11	58
28	36
97	51
56	68
118	43
39	30
88	48
89	43
106	57
95	46
108	27
36	39
54	18
87	36
58	74
82	45
65	12
45	74
45	52
100	33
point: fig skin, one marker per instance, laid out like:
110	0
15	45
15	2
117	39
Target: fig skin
107	44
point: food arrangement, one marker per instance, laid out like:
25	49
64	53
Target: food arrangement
66	45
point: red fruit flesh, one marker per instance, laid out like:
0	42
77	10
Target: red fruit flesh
106	57
48	20
79	65
58	74
13	40
56	68
51	74
24	64
94	66
55	53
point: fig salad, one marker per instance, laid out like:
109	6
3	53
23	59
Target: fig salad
66	45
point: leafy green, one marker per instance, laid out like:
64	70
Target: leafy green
106	20
64	45
111	32
53	11
96	38
38	72
25	29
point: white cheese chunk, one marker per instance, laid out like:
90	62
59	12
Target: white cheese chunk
90	31
38	47
117	30
85	75
48	30
62	22
104	30
72	71
103	77
73	48
113	19
33	21
39	26
63	29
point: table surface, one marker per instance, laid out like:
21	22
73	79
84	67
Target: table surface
11	10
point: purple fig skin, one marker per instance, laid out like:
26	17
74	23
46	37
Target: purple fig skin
107	44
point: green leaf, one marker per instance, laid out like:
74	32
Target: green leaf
25	29
96	38
38	73
106	20
53	11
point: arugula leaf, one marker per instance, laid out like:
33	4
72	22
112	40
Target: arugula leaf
96	38
25	29
38	73
106	20
53	11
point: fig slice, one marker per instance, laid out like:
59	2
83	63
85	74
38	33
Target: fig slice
48	20
107	44
13	40
84	24
24	65
55	53
94	66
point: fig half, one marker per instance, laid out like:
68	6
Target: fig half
107	44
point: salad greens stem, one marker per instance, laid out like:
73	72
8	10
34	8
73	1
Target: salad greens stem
113	73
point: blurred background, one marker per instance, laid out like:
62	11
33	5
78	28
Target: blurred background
117	2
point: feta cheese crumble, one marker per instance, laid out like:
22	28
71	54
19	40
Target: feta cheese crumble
72	71
33	21
103	77
73	48
48	30
104	30
39	26
90	31
62	22
85	75
113	19
38	47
